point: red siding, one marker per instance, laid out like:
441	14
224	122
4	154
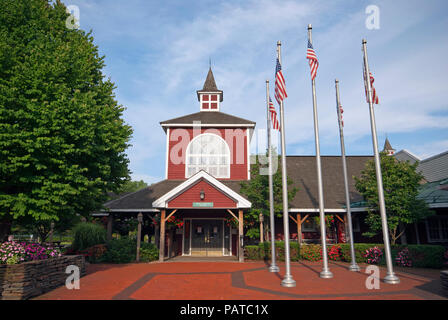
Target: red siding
236	138
186	199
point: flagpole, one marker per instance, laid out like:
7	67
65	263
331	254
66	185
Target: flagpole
325	273
390	277
287	281
353	265
273	267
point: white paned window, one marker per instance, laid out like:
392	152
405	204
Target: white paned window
208	152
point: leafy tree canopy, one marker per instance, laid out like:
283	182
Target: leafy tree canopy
257	192
62	136
401	183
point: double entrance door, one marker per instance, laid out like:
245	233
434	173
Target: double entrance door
207	237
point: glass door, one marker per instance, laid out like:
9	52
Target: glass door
207	238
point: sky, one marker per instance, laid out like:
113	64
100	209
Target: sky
158	53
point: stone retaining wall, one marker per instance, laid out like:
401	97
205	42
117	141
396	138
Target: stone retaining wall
33	278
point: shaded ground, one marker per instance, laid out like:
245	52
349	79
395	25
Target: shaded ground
242	281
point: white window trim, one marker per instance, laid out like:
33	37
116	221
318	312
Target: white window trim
187	154
201	95
167	152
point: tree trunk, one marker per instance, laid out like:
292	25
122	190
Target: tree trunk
5	228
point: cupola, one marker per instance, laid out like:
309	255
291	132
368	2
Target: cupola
210	97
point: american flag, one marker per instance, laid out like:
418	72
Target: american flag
311	55
273	113
342	111
280	89
375	99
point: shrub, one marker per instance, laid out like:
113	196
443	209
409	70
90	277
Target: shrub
148	252
87	235
92	254
262	251
125	250
423	256
311	252
253	252
120	251
360	249
403	259
373	255
335	253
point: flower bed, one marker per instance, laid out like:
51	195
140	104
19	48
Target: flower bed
28	279
15	252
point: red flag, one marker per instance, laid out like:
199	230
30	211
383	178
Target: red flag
274	120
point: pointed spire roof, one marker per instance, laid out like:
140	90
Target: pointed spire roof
387	145
210	85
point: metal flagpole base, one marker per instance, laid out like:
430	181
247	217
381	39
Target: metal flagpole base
391	278
354	267
326	274
274	268
288	281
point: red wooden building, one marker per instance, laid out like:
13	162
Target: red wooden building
207	158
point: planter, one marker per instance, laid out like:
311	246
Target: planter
33	278
444	281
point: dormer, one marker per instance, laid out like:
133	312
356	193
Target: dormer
210	97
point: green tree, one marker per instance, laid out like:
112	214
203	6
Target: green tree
257	192
401	183
62	136
132	186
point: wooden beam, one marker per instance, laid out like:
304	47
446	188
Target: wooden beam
162	236
304	218
241	235
232	214
174	211
110	221
293	218
337	216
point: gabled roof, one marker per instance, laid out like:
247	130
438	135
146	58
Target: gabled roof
303	172
301	169
162	202
435	168
405	155
214	119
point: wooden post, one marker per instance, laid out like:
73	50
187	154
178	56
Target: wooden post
162	236
241	235
157	236
139	234
299	229
110	220
261	218
347	234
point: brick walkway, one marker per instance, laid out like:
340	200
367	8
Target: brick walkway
241	281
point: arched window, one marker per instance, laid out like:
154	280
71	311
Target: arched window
208	152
